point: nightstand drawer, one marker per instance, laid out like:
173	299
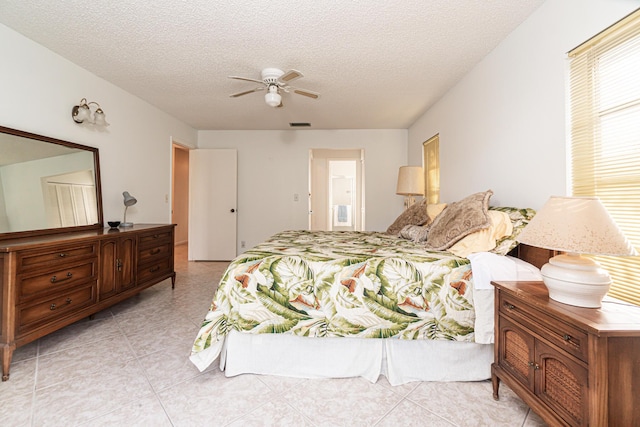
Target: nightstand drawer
562	334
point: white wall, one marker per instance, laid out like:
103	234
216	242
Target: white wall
38	88
274	165
503	127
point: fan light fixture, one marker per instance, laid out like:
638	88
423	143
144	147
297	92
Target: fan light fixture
273	81
273	98
129	200
83	113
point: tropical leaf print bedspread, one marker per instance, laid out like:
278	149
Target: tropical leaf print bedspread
341	284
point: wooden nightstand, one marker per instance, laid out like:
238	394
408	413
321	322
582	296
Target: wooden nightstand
573	366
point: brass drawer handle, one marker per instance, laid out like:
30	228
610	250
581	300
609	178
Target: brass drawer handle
54	279
534	365
53	306
155	251
154	269
571	341
509	306
62	255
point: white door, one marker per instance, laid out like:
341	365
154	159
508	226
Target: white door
212	204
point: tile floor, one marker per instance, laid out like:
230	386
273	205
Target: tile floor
129	367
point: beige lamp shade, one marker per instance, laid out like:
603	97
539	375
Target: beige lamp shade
410	181
576	225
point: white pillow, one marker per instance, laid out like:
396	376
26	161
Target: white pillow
487	266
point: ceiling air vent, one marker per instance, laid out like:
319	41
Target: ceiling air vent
300	125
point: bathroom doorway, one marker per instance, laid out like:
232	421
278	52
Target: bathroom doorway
336	190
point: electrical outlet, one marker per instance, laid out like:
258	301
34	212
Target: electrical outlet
242	244
166	198
296	197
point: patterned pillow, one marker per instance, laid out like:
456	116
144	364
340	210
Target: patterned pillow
415	215
417	233
458	220
520	217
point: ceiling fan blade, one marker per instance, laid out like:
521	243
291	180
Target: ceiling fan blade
247	79
290	76
305	92
257	89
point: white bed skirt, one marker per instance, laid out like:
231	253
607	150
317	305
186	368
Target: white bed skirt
401	361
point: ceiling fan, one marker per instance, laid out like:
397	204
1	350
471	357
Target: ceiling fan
273	81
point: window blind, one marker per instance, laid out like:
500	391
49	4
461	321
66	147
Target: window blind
605	137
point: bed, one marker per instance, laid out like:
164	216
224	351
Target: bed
343	304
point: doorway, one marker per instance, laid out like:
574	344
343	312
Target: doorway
180	193
336	190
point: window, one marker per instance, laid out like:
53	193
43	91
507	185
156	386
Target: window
605	137
431	161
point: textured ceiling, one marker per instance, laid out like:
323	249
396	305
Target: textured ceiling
376	64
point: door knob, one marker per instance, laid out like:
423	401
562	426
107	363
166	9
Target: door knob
233	210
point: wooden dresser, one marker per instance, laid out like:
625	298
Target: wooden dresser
573	366
52	281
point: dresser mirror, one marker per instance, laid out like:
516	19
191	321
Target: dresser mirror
47	185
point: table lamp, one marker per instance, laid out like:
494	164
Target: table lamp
410	184
129	200
575	226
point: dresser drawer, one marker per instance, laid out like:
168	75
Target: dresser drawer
162	250
155	238
30	286
29	316
154	269
562	334
29	260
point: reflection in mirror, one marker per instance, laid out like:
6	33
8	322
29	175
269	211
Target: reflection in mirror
47	185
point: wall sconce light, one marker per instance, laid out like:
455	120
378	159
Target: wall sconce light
83	113
129	200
